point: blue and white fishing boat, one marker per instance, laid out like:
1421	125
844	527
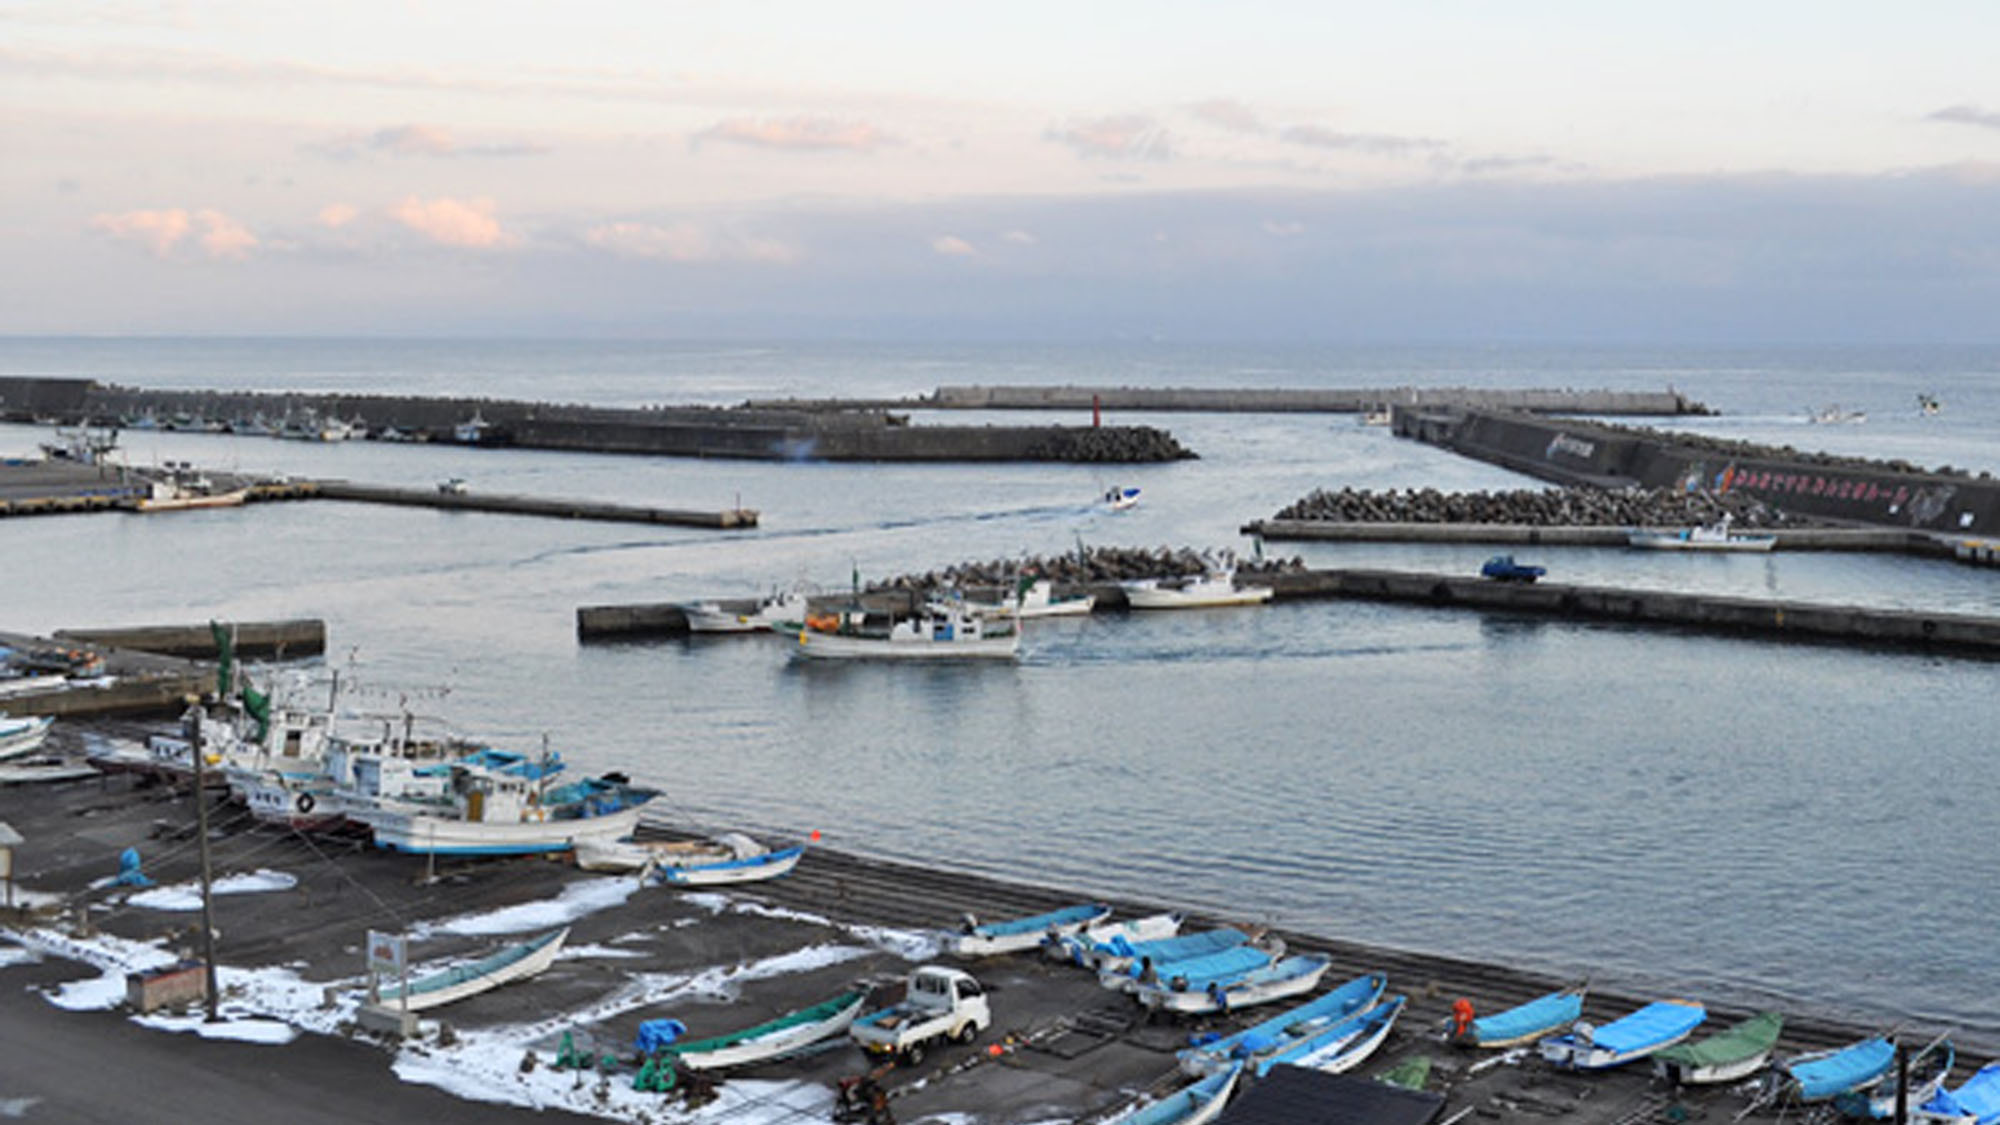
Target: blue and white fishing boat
1121	963
1017	934
21	737
1536	1019
489	812
1929	1068
1281	1031
1190	1105
1278	980
730	857
1076	948
1655	1026
1826	1074
1977	1102
1120	498
1340	1046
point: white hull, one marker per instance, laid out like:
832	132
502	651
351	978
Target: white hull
755	869
526	967
31	772
1076	947
981	945
21	737
775	1045
1710	1075
1695	541
709	618
836	646
185	503
1194	1001
23	685
422	833
1201	594
1346	1056
1574	1054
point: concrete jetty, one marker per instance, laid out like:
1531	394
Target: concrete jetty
148	670
727	519
1263	400
1877	539
274	640
1766	618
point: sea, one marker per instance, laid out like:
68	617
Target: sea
1810	827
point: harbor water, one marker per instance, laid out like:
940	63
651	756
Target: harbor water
1725	819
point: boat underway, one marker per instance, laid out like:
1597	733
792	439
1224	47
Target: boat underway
1707	537
1119	499
944	631
1215	589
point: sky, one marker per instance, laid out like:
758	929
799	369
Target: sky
1454	170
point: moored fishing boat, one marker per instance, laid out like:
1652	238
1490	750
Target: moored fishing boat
1525	1023
1077	948
772	1039
1120	963
944	631
1739	1052
1655	1027
516	962
773	612
1216	589
1279	980
1037	598
1341	1046
490	812
1193	1104
21	737
1017	934
1274	1035
1706	537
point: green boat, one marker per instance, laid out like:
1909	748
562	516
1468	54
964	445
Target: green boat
769	1040
1725	1057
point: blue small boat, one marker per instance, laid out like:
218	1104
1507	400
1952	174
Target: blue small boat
1120	962
1928	1070
1340	1046
1542	1016
1200	972
1503	568
1285	1028
1977	1102
1657	1025
1190	1105
1018	934
1278	980
1825	1074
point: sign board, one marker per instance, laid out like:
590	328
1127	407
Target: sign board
387	953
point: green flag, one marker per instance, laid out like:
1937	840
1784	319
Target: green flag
225	665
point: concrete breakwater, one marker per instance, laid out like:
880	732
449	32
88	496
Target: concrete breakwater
755	434
1266	400
1544	507
148	669
1843	490
727	519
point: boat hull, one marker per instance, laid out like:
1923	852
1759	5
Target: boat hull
1205	594
1652	1028
1342	1046
834	646
522	961
423	834
22	737
1281	981
750	869
1681	541
1024	934
1196	1104
752	1047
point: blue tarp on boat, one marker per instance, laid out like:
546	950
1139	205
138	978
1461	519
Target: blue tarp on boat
1536	1017
1198	972
1661	1022
1068	915
1845	1069
1979	1098
1176	948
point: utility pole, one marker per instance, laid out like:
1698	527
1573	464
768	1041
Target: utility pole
201	829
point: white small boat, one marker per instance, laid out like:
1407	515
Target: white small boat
17	772
1040	600
1280	980
1118	499
516	962
451	486
1215	589
1834	415
1195	1104
1017	934
21	737
1652	1028
774	612
1377	417
1076	948
1707	537
1342	1046
1727	1056
730	857
176	496
773	1039
943	632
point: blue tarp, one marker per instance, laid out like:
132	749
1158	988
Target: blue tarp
1543	1014
1650	1026
1844	1069
1174	948
1067	915
1197	972
1978	1098
655	1034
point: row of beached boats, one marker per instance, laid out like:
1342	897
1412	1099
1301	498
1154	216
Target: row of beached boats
1225	970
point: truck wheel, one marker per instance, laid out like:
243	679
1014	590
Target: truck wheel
967	1033
913	1055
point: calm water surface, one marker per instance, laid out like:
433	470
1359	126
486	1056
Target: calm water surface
1722	818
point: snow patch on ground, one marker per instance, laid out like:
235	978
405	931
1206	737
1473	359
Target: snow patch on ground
17	955
273	1032
112	956
587	896
187	896
910	945
583	952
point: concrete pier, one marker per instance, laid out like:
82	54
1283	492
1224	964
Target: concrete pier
1883	539
274	640
1266	400
727	519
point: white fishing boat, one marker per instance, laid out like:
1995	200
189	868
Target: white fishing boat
182	487
15	771
1280	980
944	631
21	737
730	857
773	1039
494	813
1120	498
774	612
1707	537
1835	415
1039	599
1217	588
516	962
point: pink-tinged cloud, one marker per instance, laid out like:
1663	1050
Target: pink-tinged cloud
686	242
157	231
804	134
952	246
454	222
1128	137
224	237
413	140
336	215
1229	114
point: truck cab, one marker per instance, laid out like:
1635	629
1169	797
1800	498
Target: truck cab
939	1004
